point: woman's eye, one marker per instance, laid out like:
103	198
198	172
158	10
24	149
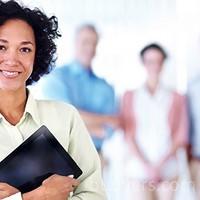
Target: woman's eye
2	48
25	50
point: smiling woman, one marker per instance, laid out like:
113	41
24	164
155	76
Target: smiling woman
17	52
27	52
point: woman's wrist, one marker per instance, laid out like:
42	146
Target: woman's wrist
34	195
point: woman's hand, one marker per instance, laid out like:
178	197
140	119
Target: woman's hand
55	187
153	174
7	190
59	187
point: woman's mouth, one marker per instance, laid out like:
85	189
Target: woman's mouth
9	74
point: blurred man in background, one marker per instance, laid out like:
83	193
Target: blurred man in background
76	83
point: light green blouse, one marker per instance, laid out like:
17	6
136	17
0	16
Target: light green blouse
65	123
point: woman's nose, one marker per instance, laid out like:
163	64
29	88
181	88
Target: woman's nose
11	58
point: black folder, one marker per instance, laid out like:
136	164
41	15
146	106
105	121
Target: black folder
37	158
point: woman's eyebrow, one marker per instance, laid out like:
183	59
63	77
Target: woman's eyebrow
27	42
23	42
4	41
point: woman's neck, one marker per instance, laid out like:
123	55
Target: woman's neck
152	85
12	105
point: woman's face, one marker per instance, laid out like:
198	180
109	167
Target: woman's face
17	53
153	61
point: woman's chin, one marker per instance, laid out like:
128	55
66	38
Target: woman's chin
9	88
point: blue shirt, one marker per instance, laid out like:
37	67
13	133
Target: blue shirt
194	116
79	86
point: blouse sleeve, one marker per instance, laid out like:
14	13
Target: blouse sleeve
16	196
81	148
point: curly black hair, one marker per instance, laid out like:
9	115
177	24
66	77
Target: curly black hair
45	31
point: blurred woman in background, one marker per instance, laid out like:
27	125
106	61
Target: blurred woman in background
155	124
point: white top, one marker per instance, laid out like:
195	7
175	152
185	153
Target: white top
152	129
153	135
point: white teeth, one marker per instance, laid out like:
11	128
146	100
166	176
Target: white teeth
9	74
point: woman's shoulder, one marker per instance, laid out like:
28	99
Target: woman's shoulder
177	94
178	99
173	92
55	106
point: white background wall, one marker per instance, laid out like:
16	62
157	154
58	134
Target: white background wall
125	27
